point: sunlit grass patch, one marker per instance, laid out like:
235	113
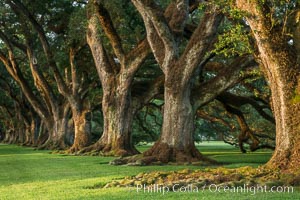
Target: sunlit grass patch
29	174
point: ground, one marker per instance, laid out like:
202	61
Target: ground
29	174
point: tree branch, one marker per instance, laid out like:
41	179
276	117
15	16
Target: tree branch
201	41
155	89
99	54
226	78
18	6
137	56
160	37
110	31
238	101
15	72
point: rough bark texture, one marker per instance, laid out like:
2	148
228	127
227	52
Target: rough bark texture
82	130
116	79
118	116
163	31
80	110
281	69
176	143
56	132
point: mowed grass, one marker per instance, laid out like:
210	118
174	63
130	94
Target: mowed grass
29	174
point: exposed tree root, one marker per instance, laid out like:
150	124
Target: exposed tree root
286	161
102	149
72	150
200	179
162	153
52	145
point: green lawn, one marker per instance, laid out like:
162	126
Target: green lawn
29	174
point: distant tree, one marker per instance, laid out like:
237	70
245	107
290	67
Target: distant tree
72	89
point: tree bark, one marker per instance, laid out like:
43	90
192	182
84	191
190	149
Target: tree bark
116	79
164	30
41	134
82	130
281	69
118	115
71	94
33	132
176	143
57	127
80	110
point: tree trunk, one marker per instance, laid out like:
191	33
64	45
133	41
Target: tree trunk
56	137
116	79
21	131
57	129
28	136
7	136
118	116
82	129
35	128
164	30
286	112
281	69
30	130
41	134
176	143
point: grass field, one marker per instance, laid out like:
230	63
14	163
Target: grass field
29	174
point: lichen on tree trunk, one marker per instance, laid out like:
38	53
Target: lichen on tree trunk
118	116
116	79
282	70
176	142
286	112
82	130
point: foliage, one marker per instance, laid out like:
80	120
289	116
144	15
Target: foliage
147	125
77	26
296	98
233	42
65	25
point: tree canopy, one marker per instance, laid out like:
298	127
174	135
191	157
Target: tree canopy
98	77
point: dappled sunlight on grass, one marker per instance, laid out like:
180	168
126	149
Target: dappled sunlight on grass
29	174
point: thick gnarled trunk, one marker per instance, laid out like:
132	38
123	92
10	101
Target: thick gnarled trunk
118	116
176	143
56	130
287	151
116	79
283	83
282	70
82	130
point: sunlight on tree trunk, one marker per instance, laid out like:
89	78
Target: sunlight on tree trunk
282	71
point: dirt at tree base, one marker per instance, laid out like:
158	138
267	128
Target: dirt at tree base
161	153
218	176
102	149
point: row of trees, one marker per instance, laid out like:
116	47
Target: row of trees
182	59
